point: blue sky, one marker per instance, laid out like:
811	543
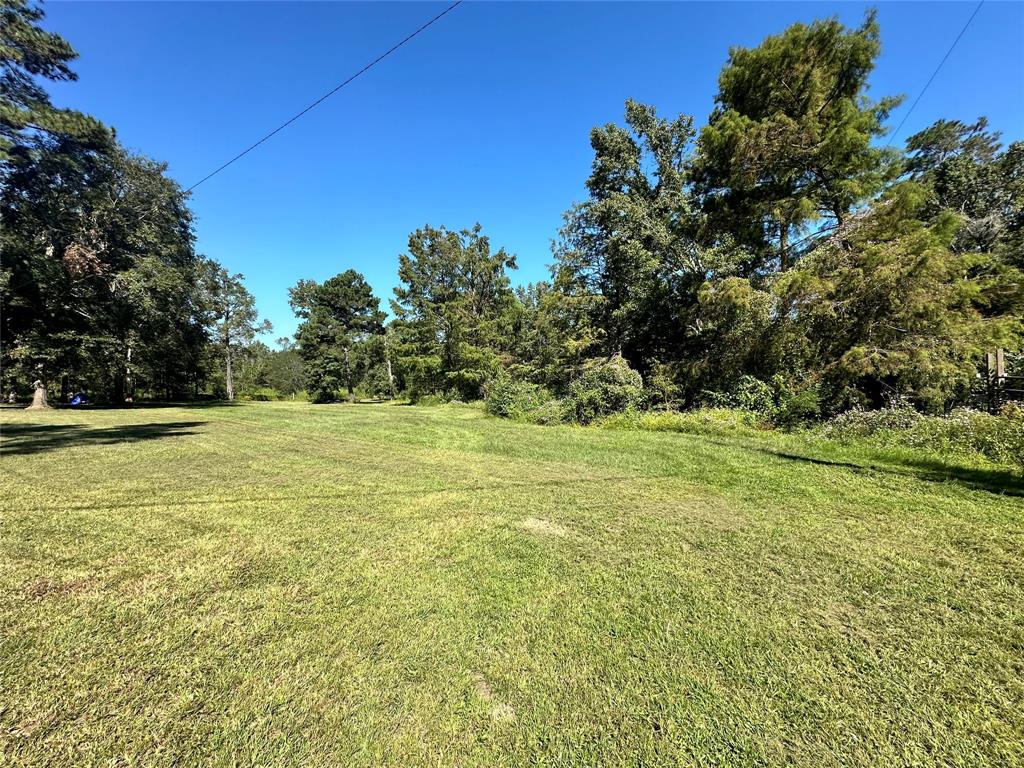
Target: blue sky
484	117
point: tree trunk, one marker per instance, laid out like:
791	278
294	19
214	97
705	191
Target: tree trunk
128	396
387	359
348	377
39	398
228	378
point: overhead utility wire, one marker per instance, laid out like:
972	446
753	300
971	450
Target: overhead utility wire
330	93
909	111
930	79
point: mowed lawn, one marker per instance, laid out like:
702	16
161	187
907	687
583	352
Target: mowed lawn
290	584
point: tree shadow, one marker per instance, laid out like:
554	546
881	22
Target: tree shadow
998	481
151	405
24	439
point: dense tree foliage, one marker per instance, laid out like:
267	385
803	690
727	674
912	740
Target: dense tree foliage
339	319
100	285
786	247
630	246
890	308
453	311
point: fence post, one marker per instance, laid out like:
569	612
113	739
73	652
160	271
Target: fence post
990	366
1001	382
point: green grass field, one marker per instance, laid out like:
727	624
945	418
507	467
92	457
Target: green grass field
289	584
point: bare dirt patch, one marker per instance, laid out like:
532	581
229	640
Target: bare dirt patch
499	710
45	587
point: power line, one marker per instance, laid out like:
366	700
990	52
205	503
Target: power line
930	79
330	93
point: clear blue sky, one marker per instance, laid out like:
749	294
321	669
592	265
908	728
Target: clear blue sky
484	117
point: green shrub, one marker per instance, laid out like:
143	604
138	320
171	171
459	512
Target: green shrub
774	403
548	413
606	387
512	399
796	409
263	394
756	396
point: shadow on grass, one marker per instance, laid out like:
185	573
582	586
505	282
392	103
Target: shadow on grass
998	481
143	406
24	439
991	480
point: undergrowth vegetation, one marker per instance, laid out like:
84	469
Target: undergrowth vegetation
610	394
963	432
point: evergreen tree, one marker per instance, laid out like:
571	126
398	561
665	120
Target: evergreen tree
233	317
453	311
788	145
339	319
29	53
891	309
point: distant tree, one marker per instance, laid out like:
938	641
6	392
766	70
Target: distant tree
339	318
234	318
453	311
789	142
251	368
285	369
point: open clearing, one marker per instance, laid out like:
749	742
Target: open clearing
288	584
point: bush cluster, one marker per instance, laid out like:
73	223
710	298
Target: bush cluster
610	393
513	399
774	403
605	387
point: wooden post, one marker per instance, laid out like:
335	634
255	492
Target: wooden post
995	378
990	381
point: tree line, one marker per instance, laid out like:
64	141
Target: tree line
778	251
102	289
